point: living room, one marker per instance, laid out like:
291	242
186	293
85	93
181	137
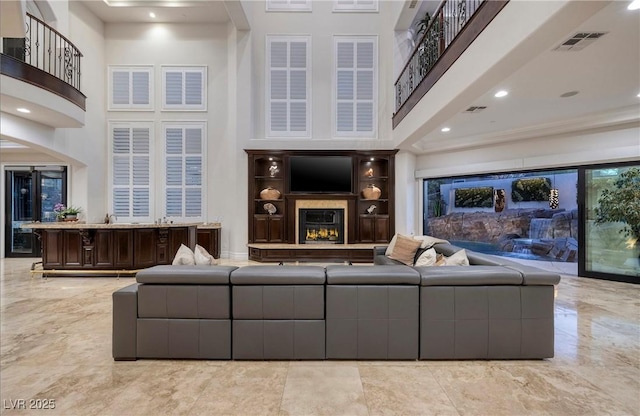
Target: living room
532	128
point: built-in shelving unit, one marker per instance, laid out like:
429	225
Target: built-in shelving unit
269	170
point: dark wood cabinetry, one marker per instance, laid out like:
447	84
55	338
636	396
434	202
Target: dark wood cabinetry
104	248
145	247
369	218
52	248
209	238
117	248
374	228
375	198
268	228
122	253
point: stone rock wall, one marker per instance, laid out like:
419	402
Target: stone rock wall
494	227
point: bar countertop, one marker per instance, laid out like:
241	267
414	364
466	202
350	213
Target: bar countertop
81	225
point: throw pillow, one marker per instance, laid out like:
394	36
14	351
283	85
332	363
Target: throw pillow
391	245
458	258
184	256
203	257
428	241
405	249
428	258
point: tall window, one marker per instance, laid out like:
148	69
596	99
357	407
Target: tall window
288	94
355	86
288	5
131	176
184	88
183	176
130	88
610	232
355	6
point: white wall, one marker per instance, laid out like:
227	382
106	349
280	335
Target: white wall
602	146
213	45
321	24
406	195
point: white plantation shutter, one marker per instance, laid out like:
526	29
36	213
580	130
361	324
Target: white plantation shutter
130	88
355	86
355	6
131	178
288	5
120	86
184	164
288	106
184	88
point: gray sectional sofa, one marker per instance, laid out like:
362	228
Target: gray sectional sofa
493	309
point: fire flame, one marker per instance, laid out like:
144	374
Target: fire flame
322	234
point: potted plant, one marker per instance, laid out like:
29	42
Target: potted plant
71	213
59	209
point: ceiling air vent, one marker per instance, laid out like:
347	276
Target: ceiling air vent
474	109
579	41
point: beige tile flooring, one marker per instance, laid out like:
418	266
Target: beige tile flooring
56	344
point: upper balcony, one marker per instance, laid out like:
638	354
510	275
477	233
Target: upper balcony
41	72
453	27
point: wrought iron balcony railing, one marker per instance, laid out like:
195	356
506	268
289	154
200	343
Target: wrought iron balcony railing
46	49
443	31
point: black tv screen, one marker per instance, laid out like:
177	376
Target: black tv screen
320	174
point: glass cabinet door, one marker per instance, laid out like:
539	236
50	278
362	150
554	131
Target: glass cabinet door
31	194
22	192
611	248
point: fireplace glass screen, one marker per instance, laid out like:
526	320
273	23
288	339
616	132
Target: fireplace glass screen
321	226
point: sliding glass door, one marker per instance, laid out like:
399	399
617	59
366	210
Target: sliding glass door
31	194
610	224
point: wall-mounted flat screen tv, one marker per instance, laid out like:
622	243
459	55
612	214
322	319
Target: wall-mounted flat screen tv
320	174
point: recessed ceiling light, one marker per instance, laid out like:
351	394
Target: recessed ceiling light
445	129
634	5
569	94
638	95
501	93
372	159
152	15
23	110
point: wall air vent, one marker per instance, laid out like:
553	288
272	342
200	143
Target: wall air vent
474	109
579	41
412	4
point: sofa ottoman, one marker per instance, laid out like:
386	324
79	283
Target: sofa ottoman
174	312
278	313
372	312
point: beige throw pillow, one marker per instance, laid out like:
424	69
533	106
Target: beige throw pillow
184	257
428	258
203	257
391	245
459	258
428	241
404	249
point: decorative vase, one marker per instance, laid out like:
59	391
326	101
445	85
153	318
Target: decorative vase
269	193
371	192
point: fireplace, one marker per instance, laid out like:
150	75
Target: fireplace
321	226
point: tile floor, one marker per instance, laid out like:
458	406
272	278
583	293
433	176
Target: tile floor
56	345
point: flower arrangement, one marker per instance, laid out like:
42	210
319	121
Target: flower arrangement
62	211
